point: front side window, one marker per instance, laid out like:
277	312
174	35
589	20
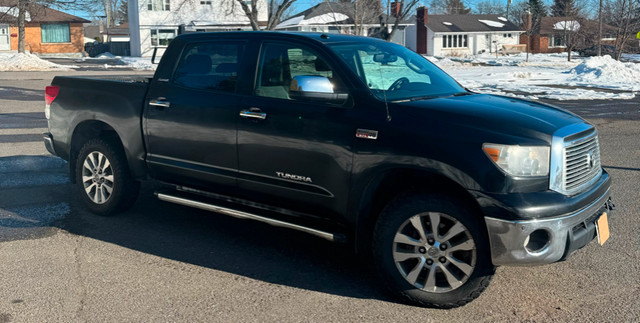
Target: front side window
281	65
158	5
210	66
162	37
55	33
393	72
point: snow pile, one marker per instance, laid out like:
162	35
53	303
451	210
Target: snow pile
545	76
28	62
491	23
606	72
137	63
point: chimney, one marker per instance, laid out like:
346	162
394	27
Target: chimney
421	30
396	7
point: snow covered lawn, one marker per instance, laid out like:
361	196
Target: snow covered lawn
548	76
136	63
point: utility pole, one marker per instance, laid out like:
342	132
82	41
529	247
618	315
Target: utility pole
600	29
508	5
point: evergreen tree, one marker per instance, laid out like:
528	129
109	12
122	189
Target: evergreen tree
537	10
564	8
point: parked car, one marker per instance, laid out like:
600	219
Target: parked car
353	140
593	51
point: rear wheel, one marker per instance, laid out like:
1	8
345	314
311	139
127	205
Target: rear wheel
432	251
103	179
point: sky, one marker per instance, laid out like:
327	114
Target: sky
302	5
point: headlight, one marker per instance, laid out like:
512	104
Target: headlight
520	160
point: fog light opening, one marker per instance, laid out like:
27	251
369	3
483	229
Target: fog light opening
537	241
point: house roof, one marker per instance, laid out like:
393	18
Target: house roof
36	13
554	25
328	13
469	23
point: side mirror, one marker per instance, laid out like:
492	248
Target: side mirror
315	88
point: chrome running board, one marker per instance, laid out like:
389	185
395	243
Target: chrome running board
245	215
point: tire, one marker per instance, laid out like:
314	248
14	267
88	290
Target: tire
103	180
443	270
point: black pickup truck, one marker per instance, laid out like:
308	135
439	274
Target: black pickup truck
350	139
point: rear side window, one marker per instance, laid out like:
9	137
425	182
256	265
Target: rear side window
210	66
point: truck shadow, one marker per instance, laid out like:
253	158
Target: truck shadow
239	247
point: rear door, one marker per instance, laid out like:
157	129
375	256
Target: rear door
295	153
191	117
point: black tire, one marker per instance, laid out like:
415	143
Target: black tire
472	268
117	189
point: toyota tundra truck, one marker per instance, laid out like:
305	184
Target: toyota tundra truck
350	139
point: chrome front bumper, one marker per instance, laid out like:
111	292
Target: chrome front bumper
543	241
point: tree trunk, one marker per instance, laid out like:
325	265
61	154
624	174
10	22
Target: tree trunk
22	13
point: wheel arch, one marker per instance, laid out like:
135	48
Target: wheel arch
92	129
387	185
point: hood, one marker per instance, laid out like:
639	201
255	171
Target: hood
498	116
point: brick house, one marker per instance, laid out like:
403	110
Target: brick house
552	30
48	31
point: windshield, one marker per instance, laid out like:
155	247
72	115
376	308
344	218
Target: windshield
395	73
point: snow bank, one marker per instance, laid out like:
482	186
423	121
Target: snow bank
28	62
606	72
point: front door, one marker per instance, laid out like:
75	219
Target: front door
293	152
191	118
5	37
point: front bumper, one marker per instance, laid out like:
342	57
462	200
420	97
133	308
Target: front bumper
544	240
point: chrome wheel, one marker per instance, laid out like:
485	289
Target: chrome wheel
434	252
97	177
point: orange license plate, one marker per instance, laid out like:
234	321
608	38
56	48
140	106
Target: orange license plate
602	228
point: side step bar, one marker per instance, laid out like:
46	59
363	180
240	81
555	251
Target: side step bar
245	215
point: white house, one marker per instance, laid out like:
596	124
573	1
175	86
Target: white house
453	35
339	18
154	23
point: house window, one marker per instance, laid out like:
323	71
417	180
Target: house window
556	41
162	37
55	33
455	41
206	3
159	5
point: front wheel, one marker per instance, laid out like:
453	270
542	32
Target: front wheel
103	179
432	251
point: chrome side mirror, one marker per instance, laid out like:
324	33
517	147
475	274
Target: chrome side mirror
315	88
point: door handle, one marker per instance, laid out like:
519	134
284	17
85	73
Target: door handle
253	113
160	103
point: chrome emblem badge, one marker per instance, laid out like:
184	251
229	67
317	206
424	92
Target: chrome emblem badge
590	161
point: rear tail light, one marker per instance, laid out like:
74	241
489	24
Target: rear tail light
50	94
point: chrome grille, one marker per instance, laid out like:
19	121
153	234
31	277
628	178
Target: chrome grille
575	159
582	162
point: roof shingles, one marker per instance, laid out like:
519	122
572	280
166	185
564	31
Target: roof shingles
468	23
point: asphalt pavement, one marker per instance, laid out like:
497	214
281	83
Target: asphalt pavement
160	262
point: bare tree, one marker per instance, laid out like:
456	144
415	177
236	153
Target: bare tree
625	16
276	10
398	10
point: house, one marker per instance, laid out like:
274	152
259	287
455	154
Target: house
154	23
339	18
459	35
47	31
553	34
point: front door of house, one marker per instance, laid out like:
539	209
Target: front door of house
4	38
